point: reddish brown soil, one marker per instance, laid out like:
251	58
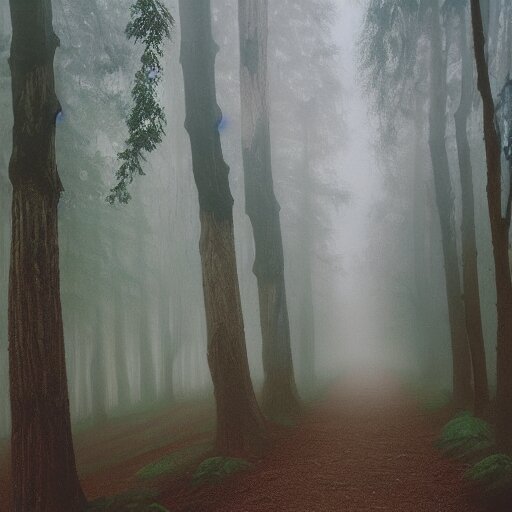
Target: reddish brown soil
364	453
358	450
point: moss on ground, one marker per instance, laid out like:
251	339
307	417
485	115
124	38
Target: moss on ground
174	463
215	469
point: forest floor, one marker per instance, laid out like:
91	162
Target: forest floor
364	447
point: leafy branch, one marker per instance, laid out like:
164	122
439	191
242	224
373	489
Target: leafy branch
151	24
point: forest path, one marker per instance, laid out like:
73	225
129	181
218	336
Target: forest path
364	448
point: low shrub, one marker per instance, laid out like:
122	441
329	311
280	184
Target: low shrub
215	469
136	501
175	462
493	474
465	437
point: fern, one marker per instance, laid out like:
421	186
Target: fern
217	468
494	474
465	436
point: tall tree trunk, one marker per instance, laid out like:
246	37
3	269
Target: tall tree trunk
120	349
469	249
279	397
444	199
147	375
500	240
307	311
98	372
167	343
44	477
240	425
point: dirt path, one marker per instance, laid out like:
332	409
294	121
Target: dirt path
372	452
364	448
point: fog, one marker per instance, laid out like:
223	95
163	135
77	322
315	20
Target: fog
371	230
125	267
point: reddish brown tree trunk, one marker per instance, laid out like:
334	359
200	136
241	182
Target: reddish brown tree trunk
444	199
500	240
279	397
44	477
469	250
240	425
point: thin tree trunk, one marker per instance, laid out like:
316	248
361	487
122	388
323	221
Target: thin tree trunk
444	199
500	240
120	347
469	249
240	425
44	477
146	363
279	397
97	376
307	311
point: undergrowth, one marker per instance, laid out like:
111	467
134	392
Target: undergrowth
493	474
175	462
215	469
465	437
135	501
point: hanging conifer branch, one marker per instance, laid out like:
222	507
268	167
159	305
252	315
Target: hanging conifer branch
151	23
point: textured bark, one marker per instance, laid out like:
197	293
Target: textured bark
445	206
500	241
279	396
240	425
469	249
44	477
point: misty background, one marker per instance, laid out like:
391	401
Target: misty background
130	275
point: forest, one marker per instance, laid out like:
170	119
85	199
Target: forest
255	255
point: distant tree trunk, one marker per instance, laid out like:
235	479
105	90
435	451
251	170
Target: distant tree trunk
120	348
469	249
500	240
444	199
97	376
307	311
240	425
44	477
147	366
279	397
167	343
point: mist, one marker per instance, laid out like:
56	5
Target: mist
250	236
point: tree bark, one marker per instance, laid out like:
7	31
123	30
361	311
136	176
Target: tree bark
279	396
469	249
44	477
240	425
445	206
500	240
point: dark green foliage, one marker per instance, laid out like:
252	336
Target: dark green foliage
493	474
136	501
151	24
465	436
175	462
216	469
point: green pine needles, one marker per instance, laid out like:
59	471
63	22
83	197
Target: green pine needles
151	23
